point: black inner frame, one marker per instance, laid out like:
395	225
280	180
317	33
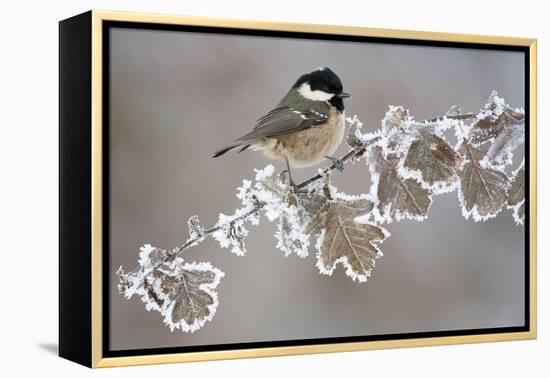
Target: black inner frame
107	279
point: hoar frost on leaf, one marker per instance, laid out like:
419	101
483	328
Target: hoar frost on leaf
184	293
231	233
454	110
434	160
396	131
395	197
354	136
487	146
396	118
482	191
423	152
342	239
500	153
502	127
196	231
488	121
278	206
516	194
230	229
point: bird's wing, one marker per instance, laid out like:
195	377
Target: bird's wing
284	119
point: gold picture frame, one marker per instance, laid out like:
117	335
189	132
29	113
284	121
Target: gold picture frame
85	33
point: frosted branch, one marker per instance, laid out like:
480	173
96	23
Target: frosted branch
409	163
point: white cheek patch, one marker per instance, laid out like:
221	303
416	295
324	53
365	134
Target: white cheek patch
316	95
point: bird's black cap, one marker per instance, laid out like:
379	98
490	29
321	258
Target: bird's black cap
323	79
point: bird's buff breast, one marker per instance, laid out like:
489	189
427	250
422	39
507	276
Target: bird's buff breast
310	146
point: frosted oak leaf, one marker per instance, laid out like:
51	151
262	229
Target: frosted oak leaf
516	195
397	197
182	292
343	240
489	125
397	117
482	191
500	125
434	160
501	151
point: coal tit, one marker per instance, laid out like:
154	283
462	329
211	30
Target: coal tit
305	127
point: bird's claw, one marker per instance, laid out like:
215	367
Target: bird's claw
283	174
336	163
296	189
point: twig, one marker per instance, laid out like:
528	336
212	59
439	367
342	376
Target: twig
259	205
356	151
350	155
361	148
176	251
458	117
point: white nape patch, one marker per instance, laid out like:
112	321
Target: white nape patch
316	95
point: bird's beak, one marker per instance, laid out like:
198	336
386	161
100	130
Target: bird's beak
343	95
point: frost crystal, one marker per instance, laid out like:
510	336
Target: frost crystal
230	230
231	233
354	137
280	206
454	110
397	117
196	232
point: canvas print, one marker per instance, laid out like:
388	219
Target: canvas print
291	189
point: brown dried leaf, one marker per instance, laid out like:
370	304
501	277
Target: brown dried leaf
191	303
491	126
434	159
344	240
482	190
316	205
486	129
182	292
519	213
502	147
396	117
313	204
502	127
516	195
397	197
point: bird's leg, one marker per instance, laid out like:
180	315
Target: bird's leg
291	181
336	162
282	175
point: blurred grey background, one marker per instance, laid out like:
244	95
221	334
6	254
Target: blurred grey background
176	97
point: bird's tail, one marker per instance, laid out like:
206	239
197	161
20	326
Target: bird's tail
231	147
